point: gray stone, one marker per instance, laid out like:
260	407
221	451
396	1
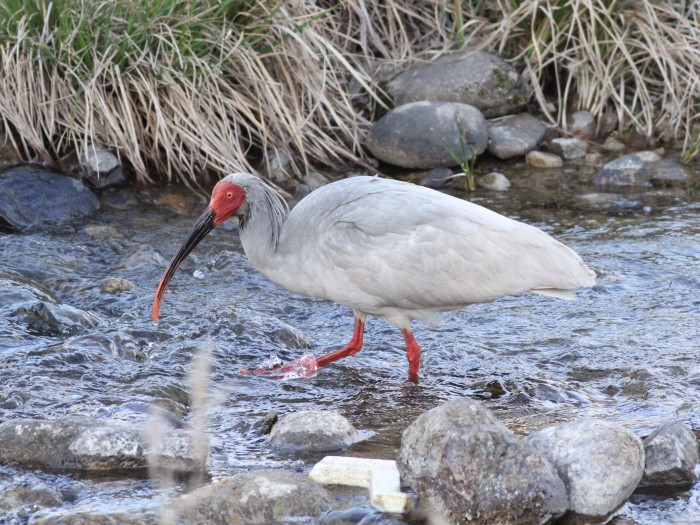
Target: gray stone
467	466
146	255
87	516
494	181
600	463
47	318
648	156
280	165
429	135
314	180
27	497
312	430
671	455
437	178
593	159
99	160
81	443
581	124
667	172
514	135
624	172
476	78
569	148
32	197
260	496
101	181
115	285
539	159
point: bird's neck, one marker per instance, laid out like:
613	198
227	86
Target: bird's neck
261	227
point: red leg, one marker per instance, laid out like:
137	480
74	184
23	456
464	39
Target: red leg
354	346
413	355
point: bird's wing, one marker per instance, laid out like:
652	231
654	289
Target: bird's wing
407	247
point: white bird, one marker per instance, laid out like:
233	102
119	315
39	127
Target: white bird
386	248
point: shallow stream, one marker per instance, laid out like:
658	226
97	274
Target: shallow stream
627	350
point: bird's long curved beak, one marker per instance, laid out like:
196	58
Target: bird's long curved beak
202	227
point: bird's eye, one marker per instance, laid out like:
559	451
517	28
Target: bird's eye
229	195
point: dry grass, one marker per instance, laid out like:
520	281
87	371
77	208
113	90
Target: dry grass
181	89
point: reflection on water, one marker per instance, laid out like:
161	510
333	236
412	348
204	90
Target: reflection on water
626	350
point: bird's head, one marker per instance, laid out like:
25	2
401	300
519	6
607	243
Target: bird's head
228	198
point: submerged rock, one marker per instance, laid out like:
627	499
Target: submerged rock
25	498
671	456
600	463
468	467
494	181
429	135
113	285
514	135
569	148
87	516
477	78
261	496
312	430
34	197
667	172
626	172
46	318
437	178
78	443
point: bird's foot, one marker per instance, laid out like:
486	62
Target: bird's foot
305	366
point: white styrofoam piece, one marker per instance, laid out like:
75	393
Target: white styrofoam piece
380	476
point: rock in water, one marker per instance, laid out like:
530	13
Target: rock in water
312	430
626	172
260	496
468	467
477	78
515	135
600	463
32	197
671	455
569	148
429	135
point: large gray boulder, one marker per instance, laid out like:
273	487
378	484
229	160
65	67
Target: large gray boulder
671	455
429	135
260	496
514	135
34	197
600	463
468	467
477	78
83	443
312	430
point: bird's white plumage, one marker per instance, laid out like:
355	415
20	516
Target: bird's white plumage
400	251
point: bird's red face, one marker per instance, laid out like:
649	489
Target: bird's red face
226	200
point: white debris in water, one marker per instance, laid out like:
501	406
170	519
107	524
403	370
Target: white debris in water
198	274
271	362
380	476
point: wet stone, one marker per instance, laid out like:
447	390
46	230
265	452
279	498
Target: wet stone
540	159
429	135
667	172
94	517
146	255
33	197
477	78
45	318
467	466
312	430
494	181
99	160
671	456
648	156
26	497
260	496
514	135
82	443
437	178
600	463
113	285
625	172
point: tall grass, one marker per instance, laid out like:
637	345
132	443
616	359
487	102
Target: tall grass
184	88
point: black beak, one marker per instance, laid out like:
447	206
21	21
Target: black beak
202	227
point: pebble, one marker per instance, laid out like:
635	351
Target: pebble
613	145
494	181
113	285
581	124
312	430
540	159
600	463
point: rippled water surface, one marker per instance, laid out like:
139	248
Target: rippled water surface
627	350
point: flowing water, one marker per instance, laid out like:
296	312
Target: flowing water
627	350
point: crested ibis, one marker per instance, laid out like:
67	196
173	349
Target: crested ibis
385	248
